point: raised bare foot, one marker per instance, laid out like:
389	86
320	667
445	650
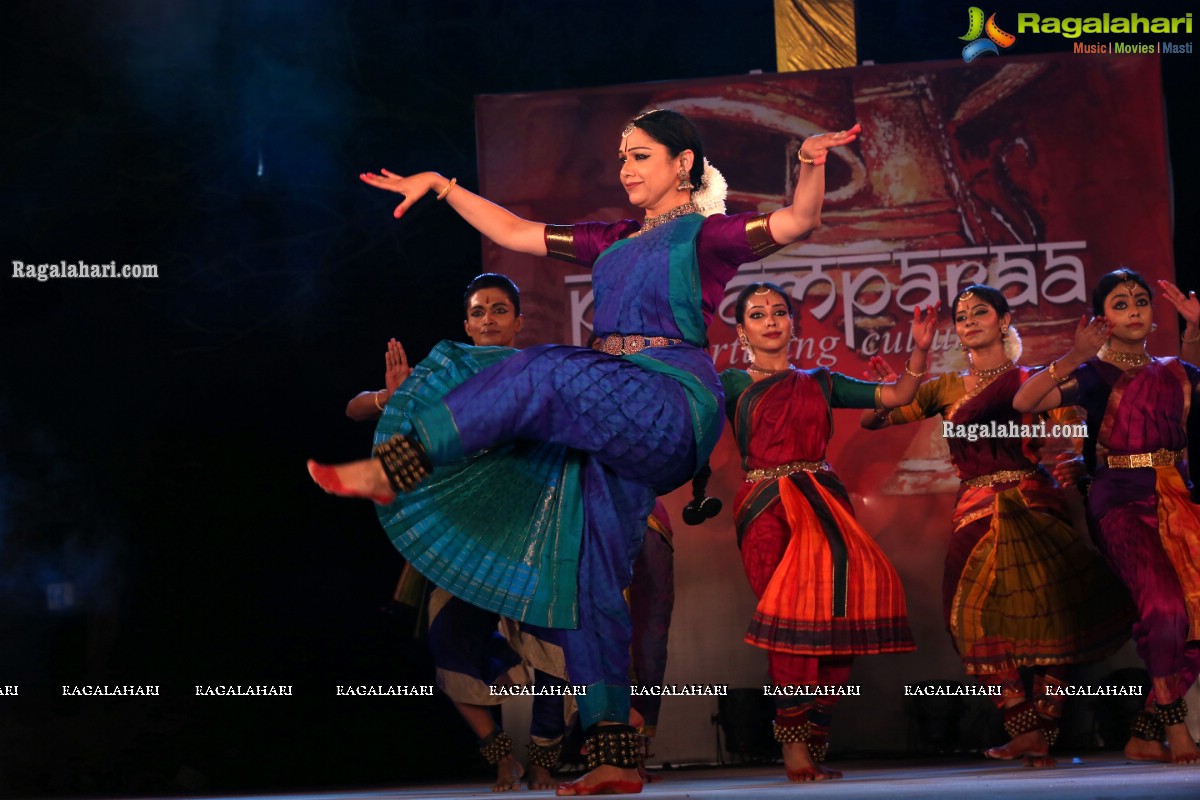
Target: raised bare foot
604	779
354	479
800	766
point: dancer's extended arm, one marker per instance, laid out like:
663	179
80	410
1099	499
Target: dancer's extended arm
495	222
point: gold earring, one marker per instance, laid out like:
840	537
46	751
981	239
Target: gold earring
745	343
685	184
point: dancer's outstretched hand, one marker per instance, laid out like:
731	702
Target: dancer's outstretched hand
1186	304
817	147
413	187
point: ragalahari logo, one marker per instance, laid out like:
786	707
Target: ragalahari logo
976	27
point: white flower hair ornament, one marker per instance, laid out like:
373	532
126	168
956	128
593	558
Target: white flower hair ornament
1012	344
709	199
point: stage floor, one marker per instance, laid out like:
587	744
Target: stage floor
1097	776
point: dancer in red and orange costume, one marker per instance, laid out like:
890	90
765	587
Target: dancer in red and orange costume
827	593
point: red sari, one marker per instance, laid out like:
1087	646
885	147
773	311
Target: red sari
825	588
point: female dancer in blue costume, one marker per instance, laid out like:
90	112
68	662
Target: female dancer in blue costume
643	406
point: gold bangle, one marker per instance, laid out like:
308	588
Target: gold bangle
1192	340
1054	374
375	397
917	375
878	396
442	194
803	160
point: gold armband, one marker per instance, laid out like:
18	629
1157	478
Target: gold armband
560	241
758	236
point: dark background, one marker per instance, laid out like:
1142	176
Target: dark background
153	433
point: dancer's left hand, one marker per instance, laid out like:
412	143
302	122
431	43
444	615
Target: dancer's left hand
923	325
817	147
1186	304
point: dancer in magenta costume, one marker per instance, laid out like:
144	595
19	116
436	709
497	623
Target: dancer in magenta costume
1139	504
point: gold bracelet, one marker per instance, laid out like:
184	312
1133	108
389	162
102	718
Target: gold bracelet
375	397
917	375
1054	374
442	194
803	160
1192	340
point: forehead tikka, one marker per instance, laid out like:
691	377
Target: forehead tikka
633	123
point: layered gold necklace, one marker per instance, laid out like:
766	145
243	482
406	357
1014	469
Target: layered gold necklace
985	375
1138	359
662	219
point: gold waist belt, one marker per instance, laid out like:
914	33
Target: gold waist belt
616	344
1003	476
1159	458
786	469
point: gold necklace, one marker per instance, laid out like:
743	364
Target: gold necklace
765	371
662	219
1138	359
988	374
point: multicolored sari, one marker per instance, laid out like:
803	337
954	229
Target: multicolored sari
1021	587
824	586
1139	504
575	441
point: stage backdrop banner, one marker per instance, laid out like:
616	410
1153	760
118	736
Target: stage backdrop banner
1033	174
